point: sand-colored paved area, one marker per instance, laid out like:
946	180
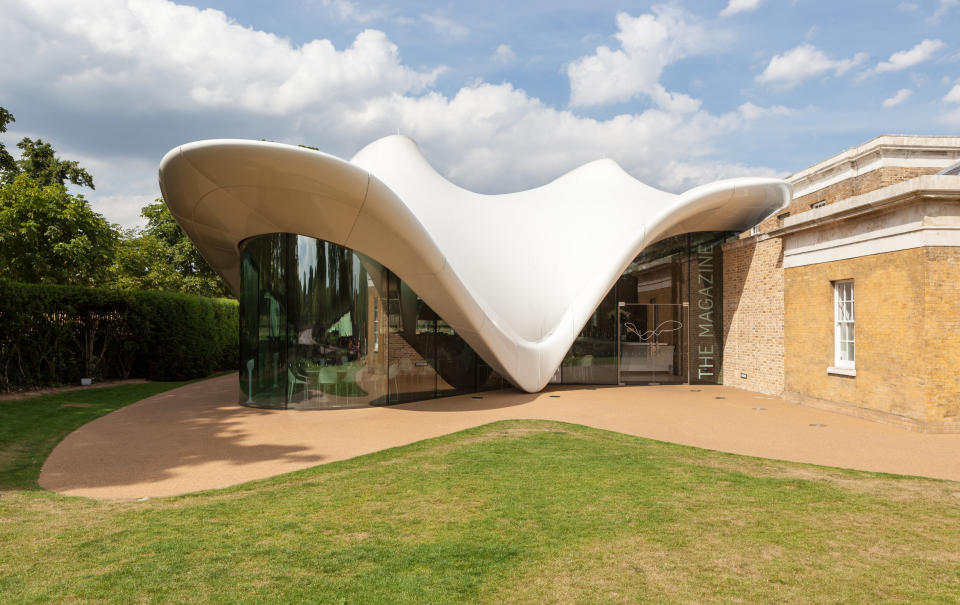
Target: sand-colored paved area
197	437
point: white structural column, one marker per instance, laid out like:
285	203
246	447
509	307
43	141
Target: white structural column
516	275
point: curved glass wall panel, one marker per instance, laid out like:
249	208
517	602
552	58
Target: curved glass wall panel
263	323
325	327
310	330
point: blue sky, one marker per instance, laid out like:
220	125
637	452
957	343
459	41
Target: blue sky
500	95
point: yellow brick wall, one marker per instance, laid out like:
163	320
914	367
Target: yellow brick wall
858	185
941	335
890	327
753	315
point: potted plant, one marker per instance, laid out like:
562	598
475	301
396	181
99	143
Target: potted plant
89	371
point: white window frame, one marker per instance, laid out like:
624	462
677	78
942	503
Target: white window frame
844	310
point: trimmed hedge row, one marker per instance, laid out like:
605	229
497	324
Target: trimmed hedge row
53	335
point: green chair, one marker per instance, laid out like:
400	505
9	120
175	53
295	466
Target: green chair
327	375
292	381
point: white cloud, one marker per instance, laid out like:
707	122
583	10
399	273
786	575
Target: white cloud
124	185
179	73
902	95
953	96
680	174
213	62
740	6
908	58
803	62
494	137
951	118
942	9
648	44
446	26
350	11
503	54
124	209
754	112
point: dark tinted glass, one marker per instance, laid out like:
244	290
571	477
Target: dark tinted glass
325	327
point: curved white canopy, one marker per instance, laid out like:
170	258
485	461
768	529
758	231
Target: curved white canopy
516	275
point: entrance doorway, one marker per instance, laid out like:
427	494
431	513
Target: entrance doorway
652	343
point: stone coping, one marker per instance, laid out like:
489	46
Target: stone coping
932	187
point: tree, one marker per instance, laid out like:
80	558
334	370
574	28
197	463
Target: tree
39	161
142	263
6	160
48	235
162	257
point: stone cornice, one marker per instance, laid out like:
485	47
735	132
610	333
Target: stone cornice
883	151
929	187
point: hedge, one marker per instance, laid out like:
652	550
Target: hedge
53	335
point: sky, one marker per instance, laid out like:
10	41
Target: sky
500	96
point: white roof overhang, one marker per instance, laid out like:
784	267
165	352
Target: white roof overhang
516	275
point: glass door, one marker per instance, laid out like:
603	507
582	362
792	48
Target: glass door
651	341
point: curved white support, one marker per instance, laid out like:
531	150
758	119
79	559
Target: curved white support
516	275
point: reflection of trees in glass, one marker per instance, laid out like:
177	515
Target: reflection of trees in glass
328	301
307	312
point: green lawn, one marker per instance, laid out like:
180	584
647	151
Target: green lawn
515	511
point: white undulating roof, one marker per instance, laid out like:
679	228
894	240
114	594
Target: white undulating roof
516	275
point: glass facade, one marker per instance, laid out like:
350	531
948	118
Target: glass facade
660	323
322	326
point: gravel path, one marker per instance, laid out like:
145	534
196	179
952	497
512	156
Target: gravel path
197	437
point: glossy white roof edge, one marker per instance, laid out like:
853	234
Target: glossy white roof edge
516	275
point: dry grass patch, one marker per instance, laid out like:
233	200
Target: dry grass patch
633	569
894	487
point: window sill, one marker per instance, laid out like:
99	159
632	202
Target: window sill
842	371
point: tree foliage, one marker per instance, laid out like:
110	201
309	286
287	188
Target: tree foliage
162	257
48	235
7	163
38	161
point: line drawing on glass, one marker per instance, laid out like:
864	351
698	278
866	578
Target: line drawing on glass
646	336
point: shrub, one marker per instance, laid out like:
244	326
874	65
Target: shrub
58	334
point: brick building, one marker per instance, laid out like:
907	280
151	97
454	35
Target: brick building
849	299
